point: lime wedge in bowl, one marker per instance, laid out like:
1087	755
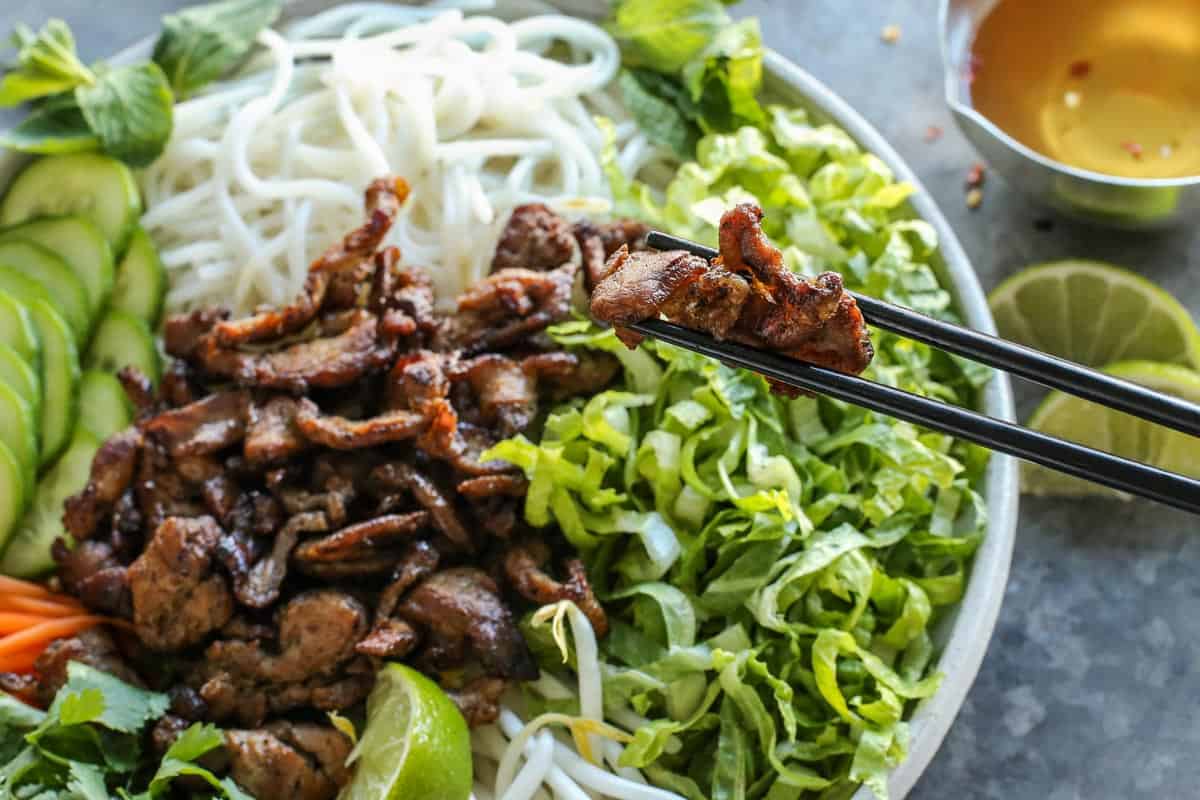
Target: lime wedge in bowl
1094	313
416	743
1103	428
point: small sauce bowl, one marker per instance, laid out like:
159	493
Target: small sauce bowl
1108	200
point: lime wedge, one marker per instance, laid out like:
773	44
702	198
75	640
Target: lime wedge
1096	426
415	745
1094	313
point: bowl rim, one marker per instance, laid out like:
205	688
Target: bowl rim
971	624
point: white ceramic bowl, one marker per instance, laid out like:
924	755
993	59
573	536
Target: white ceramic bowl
963	635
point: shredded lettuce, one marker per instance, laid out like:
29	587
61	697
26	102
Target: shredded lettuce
772	567
771	609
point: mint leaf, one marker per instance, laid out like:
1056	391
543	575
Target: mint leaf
126	111
657	103
80	707
18	86
56	126
46	64
130	109
127	708
200	44
50	51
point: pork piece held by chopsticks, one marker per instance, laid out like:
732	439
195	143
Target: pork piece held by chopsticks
746	294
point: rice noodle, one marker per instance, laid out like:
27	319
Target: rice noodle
479	115
549	760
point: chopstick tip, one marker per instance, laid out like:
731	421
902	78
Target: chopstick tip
665	241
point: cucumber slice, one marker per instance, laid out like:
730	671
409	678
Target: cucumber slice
18	375
78	242
141	280
18	431
60	379
91	185
16	329
28	551
64	289
123	340
13	491
59	368
104	407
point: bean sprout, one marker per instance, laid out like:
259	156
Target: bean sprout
586	767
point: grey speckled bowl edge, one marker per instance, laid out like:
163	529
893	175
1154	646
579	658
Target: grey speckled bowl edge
963	635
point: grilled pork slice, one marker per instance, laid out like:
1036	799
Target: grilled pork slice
286	759
745	294
178	599
463	604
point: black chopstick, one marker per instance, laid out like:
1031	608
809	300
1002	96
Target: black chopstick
1015	359
1005	437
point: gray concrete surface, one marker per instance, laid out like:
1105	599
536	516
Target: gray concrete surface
1090	687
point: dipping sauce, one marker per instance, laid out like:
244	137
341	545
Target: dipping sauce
1111	86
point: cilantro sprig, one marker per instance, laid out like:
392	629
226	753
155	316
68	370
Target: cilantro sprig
89	744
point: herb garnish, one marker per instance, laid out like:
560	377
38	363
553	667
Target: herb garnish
690	69
199	44
126	111
88	744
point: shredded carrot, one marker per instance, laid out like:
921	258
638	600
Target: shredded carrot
31	617
47	608
13	622
28	589
11	585
20	662
46	632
